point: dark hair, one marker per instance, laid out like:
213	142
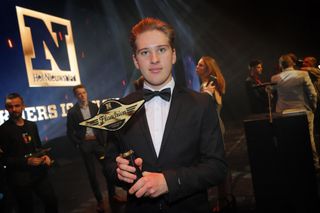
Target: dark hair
12	96
149	24
77	87
254	63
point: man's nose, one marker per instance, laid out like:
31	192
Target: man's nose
154	57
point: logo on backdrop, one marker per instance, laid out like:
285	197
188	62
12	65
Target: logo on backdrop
48	48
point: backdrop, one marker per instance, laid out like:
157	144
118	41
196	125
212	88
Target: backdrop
47	46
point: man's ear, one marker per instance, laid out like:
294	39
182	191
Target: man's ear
174	56
135	61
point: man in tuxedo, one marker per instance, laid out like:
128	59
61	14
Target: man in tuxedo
91	142
175	137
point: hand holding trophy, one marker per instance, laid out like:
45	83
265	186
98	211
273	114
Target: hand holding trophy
112	116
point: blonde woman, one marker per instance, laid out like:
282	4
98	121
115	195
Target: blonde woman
213	83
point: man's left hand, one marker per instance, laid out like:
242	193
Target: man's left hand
150	185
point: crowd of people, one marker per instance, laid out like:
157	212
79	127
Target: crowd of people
295	88
177	137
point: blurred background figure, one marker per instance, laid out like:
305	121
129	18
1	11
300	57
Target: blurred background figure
296	92
258	97
213	83
27	166
311	66
138	84
90	142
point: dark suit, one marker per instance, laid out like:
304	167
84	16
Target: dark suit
89	149
258	98
23	179
191	155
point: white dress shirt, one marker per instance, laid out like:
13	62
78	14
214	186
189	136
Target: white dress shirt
157	111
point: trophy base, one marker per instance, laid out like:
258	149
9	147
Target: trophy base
127	154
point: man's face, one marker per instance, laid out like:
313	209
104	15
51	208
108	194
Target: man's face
307	62
15	107
82	96
154	58
258	69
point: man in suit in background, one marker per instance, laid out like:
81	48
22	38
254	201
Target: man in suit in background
258	97
176	135
296	92
91	142
26	168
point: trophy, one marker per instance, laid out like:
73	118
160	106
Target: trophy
112	116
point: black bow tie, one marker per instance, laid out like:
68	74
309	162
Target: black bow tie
165	94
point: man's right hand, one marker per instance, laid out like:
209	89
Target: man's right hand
125	172
34	161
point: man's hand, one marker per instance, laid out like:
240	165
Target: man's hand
125	172
46	160
150	185
34	161
210	88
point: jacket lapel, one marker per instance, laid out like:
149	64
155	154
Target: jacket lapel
141	119
172	116
146	132
78	111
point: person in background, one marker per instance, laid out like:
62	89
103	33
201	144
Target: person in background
213	83
175	136
26	167
296	92
91	143
258	97
310	65
138	84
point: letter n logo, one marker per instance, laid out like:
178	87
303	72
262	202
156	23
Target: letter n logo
48	48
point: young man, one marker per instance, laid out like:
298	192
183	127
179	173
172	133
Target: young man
258	97
25	175
90	141
176	139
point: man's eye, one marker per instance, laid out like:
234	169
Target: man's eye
162	50
144	53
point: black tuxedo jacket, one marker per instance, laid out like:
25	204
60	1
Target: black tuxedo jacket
77	133
191	155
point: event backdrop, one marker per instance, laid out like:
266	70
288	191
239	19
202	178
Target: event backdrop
48	46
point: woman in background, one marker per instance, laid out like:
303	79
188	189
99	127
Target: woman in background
213	83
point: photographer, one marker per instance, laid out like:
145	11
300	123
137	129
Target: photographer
26	170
